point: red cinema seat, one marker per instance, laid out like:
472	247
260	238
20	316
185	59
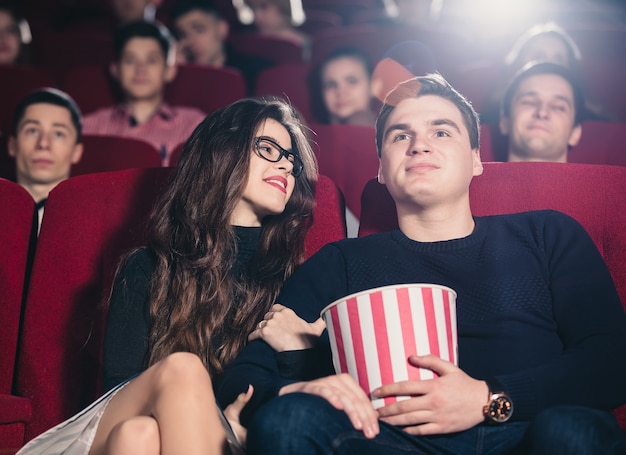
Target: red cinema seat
600	143
204	87
347	154
289	81
89	222
91	86
274	49
595	195
110	153
15	83
17	209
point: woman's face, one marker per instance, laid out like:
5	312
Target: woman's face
269	185
267	16
548	48
9	39
345	87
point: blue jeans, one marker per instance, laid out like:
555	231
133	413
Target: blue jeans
305	424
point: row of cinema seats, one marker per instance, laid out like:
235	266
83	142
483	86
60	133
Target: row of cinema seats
346	153
202	87
52	322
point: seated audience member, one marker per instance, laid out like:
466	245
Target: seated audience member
14	36
544	42
202	31
345	94
541	113
541	329
143	65
274	18
223	237
45	142
127	11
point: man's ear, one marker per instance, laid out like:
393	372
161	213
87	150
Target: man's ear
505	125
12	146
223	29
381	178
170	72
477	164
575	135
114	70
77	153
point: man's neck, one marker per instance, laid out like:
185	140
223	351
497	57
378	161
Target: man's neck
517	158
142	110
436	224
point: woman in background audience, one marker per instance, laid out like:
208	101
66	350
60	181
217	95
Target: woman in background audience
14	36
224	237
344	78
274	18
543	42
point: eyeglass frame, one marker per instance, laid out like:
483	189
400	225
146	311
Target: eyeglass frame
297	164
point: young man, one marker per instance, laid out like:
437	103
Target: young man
202	32
144	63
541	113
45	142
541	328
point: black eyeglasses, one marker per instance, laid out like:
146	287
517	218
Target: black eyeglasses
269	150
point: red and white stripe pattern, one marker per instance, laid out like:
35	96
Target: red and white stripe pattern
364	332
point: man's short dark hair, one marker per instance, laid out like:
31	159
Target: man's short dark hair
142	29
431	84
49	96
537	68
186	6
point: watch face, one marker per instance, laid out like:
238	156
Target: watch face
500	408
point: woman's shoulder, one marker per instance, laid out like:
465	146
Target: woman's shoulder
139	261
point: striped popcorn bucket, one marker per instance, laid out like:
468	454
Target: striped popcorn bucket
373	332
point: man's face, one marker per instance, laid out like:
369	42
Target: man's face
201	37
45	145
142	70
426	156
541	123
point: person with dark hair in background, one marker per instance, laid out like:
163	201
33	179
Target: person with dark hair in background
275	18
345	96
541	329
15	35
127	11
541	113
225	235
202	32
547	42
45	142
144	63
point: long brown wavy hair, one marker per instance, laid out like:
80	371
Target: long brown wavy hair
196	303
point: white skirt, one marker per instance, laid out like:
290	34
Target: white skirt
76	434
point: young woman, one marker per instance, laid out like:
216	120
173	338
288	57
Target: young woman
14	36
274	18
344	80
224	237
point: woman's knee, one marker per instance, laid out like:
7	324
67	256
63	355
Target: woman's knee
181	368
138	435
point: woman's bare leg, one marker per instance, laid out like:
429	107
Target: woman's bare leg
135	436
178	395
